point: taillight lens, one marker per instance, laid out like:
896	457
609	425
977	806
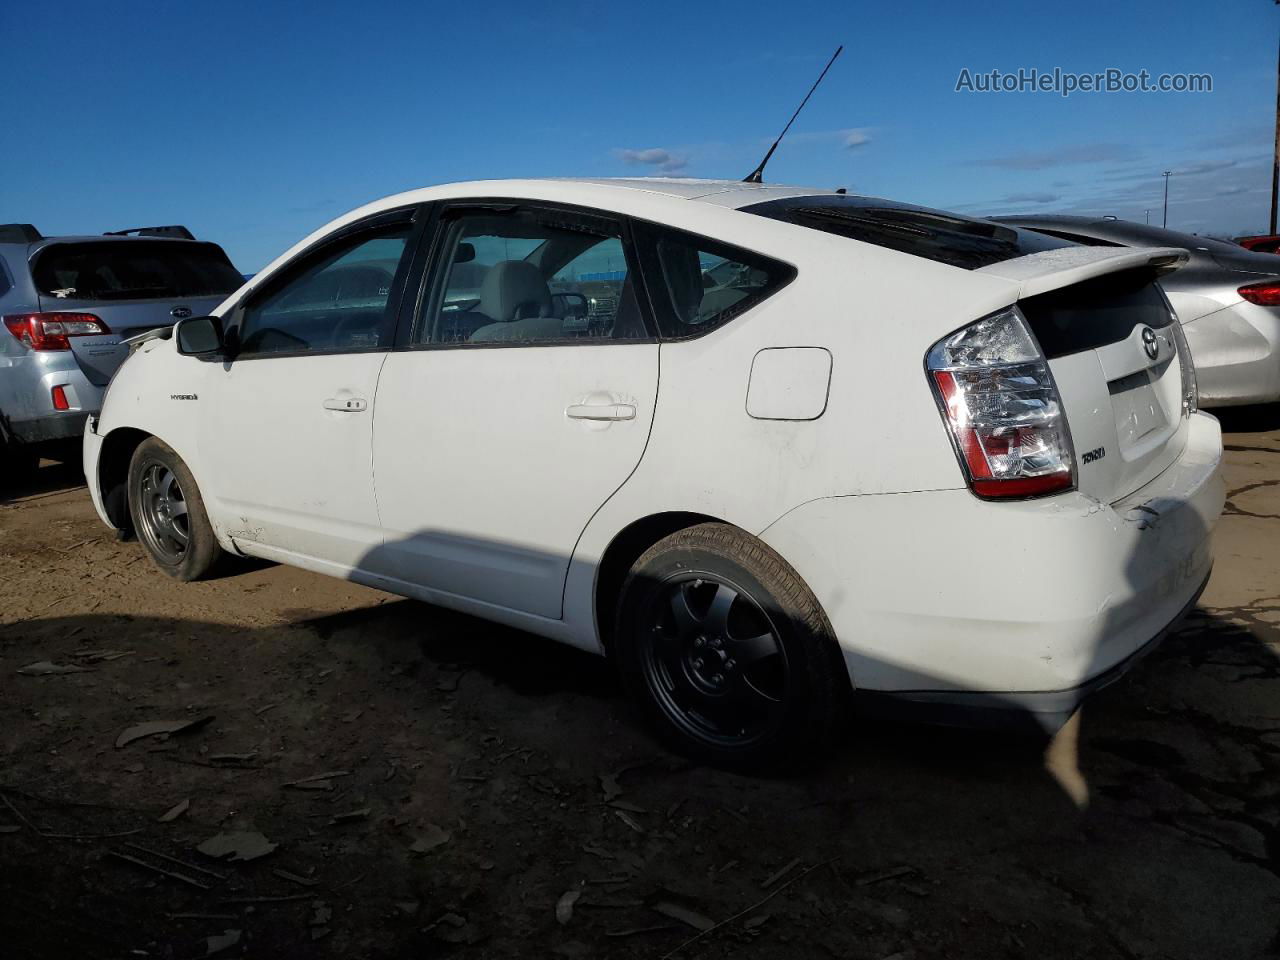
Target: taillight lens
1002	408
49	331
1265	294
1187	364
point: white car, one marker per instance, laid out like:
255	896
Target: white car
885	449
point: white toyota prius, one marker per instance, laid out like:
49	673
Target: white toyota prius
761	445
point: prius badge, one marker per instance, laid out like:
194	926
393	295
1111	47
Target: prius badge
1150	343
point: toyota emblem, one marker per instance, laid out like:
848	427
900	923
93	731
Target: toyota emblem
181	313
1150	344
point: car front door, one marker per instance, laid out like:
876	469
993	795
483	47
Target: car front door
288	432
520	402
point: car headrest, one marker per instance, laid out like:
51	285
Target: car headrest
512	290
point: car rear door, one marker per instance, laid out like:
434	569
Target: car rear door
509	417
286	426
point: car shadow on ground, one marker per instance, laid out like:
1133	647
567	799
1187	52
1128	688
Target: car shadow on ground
523	752
50	477
1259	418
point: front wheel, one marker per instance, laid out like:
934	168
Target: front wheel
168	512
728	654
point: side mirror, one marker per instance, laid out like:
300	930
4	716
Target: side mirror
465	253
199	335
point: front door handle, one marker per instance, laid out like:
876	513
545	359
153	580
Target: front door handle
601	411
346	405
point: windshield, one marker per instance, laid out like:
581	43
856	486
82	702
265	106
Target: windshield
134	270
931	234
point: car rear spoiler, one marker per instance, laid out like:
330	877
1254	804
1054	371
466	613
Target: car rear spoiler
155	333
19	233
1053	269
173	232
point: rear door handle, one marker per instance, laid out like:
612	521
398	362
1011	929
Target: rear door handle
601	411
347	405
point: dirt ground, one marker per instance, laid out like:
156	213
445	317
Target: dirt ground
479	777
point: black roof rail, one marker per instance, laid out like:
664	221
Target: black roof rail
19	233
173	231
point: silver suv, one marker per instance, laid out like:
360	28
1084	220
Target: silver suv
66	306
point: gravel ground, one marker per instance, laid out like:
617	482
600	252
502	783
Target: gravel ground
479	777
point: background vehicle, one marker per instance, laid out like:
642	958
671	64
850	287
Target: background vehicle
1227	298
740	533
68	302
1263	244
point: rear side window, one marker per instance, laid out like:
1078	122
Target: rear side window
1097	312
134	270
930	234
703	284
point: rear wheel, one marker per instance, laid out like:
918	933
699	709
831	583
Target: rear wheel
728	654
168	512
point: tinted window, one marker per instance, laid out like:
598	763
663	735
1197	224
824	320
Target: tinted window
930	234
134	270
337	301
1097	312
705	284
1078	238
531	276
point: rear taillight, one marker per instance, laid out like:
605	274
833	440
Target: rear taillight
1002	408
1266	294
1187	364
60	401
49	331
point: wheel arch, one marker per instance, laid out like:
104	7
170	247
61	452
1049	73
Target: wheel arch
113	474
623	551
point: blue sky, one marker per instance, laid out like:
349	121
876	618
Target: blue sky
255	123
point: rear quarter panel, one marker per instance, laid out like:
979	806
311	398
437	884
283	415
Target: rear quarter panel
877	312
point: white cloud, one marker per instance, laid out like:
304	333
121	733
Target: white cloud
664	160
858	137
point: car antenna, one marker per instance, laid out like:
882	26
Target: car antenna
757	175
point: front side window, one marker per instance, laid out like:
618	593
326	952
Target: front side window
706	283
338	301
529	277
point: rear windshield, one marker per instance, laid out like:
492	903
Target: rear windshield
919	231
134	270
1097	312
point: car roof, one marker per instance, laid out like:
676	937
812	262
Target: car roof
598	190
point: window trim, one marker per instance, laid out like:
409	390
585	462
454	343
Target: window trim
650	233
431	270
412	214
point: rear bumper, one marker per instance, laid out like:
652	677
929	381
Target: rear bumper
1034	712
28	407
939	596
58	426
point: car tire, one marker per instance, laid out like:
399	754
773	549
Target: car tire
168	512
728	654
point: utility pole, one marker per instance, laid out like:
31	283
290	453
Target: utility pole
1275	156
1148	216
1166	175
